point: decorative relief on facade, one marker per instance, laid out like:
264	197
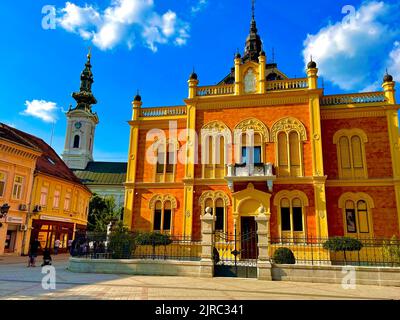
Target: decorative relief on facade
163	198
256	125
213	195
287	125
250	81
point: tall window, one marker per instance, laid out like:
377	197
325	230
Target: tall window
162	219
214	157
289	135
218	201
292	214
357	220
252	149
351	153
67	201
76	141
289	154
17	188
166	162
56	199
2	183
44	191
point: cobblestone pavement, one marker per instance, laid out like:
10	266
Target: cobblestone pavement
19	282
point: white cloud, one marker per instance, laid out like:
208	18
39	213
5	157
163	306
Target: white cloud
394	62
350	54
44	110
200	5
124	21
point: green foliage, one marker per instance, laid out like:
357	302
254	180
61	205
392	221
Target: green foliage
122	243
102	211
343	244
391	250
153	239
284	256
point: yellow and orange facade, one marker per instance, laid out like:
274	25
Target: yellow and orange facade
47	201
322	165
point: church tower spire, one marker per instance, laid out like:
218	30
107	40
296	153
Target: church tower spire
81	123
253	46
85	98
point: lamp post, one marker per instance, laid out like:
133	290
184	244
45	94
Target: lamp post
3	212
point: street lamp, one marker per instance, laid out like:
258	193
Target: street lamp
3	212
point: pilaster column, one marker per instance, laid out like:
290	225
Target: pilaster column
132	164
264	267
207	244
238	75
261	71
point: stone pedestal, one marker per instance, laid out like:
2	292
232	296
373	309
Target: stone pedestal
207	245
263	263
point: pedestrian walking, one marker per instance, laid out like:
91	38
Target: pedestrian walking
56	246
33	251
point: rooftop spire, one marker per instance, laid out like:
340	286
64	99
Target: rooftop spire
253	41
84	98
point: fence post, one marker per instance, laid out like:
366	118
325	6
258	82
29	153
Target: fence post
264	267
207	232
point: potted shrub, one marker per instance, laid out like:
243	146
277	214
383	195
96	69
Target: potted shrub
284	256
343	244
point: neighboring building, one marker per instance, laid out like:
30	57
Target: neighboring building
53	202
103	178
18	158
321	165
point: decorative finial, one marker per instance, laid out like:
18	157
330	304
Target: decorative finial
137	97
252	8
89	55
387	77
311	64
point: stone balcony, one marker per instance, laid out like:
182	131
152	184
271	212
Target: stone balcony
250	173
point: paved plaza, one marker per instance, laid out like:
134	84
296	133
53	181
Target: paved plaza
19	282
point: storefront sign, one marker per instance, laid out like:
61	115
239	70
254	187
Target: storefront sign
18	220
55	218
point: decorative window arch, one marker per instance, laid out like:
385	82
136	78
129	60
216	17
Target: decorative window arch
166	153
162	208
289	134
251	133
352	162
292	218
357	214
216	141
219	202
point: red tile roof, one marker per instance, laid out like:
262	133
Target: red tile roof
49	162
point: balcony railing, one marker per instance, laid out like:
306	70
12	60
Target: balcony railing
216	90
250	170
357	98
163	112
289	84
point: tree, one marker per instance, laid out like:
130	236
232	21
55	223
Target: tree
343	244
102	211
121	242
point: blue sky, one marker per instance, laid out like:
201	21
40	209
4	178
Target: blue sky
152	45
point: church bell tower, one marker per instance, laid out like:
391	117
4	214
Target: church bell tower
81	123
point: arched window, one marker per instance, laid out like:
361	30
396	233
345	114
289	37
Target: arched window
162	207
215	140
251	135
166	161
357	214
351	153
292	214
218	201
76	142
289	135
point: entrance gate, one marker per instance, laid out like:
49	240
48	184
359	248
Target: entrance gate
235	255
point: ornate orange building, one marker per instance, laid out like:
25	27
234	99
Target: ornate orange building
319	165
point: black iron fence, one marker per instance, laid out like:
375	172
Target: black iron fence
133	246
311	251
